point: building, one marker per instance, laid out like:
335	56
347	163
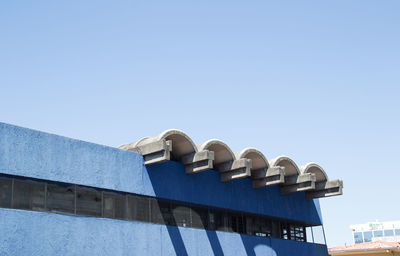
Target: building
376	231
161	195
376	248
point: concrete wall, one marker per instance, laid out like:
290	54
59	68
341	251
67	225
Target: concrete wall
36	154
35	233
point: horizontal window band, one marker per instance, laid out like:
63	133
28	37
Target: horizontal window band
57	197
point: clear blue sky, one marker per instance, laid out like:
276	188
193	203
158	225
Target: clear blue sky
314	80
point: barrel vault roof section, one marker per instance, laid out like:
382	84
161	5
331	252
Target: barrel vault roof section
250	163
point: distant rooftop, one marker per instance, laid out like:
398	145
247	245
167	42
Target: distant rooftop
366	248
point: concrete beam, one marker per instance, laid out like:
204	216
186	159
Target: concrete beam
298	183
273	176
198	162
326	189
154	152
235	169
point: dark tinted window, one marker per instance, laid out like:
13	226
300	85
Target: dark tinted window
5	192
22	193
114	205
181	216
297	233
88	202
199	217
217	220
138	208
28	195
161	212
60	198
285	231
235	223
262	227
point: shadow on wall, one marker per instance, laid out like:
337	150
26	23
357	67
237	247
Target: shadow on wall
231	245
257	246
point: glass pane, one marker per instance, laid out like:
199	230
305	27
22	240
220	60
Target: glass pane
378	233
235	223
318	235
199	217
161	213
358	237
299	233
5	192
28	195
285	233
309	235
88	202
138	208
368	236
217	220
262	227
60	198
114	205
181	216
397	232
388	232
249	224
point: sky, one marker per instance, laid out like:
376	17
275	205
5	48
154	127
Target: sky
314	80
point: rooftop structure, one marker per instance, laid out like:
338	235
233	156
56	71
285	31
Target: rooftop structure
249	163
161	195
376	231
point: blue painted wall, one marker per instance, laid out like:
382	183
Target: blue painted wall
41	155
37	154
35	233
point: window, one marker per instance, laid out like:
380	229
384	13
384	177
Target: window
378	233
368	236
388	232
397	232
182	216
358	237
28	195
61	198
293	232
199	217
114	205
261	226
235	223
139	208
32	194
285	231
161	212
217	220
88	202
297	233
5	192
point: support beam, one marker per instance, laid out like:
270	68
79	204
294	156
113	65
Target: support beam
326	189
298	183
273	176
235	169
154	152
198	162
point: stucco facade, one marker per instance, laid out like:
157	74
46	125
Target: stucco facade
29	153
